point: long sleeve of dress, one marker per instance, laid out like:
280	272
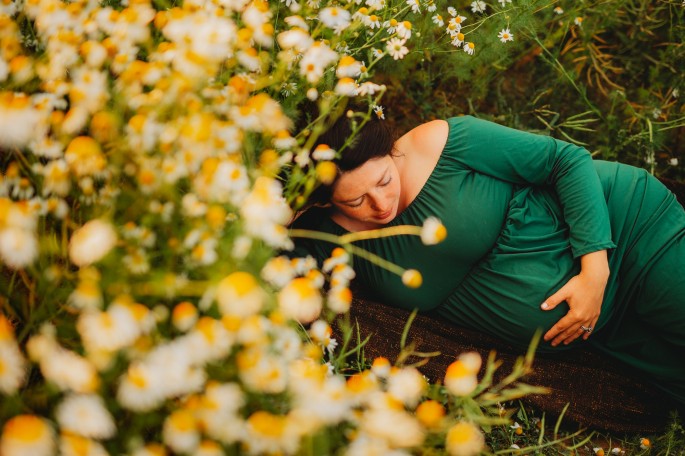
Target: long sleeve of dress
525	158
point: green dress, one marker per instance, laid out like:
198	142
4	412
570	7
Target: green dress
520	209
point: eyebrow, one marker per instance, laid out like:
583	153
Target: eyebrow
385	173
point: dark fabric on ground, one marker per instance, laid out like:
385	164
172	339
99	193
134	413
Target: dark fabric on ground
602	393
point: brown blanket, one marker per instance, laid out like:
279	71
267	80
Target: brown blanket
602	393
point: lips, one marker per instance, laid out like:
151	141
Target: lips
384	215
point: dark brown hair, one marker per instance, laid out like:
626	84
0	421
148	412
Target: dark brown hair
375	139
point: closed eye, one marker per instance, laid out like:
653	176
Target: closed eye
361	200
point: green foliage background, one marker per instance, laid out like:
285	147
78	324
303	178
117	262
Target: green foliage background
614	84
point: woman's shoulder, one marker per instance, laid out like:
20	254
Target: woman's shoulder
429	137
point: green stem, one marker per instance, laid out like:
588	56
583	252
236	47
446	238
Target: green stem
344	241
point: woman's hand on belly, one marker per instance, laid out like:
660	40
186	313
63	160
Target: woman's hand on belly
583	294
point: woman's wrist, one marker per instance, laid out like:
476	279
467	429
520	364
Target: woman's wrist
595	266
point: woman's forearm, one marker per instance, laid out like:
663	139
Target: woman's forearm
595	265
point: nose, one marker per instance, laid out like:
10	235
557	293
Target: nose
380	203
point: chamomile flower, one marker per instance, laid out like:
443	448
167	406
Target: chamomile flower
111	330
478	6
464	439
76	445
407	385
12	363
469	48
433	231
18	247
180	431
403	30
348	67
578	21
378	110
451	11
458	39
91	242
461	376
558	10
396	427
412	278
27	434
239	295
373	21
415	6
504	2
335	17
300	300
315	60
267	433
438	20
184	316
430	414
505	35
339	299
397	49
346	87
85	415
454	24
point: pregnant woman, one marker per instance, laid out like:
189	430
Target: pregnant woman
539	235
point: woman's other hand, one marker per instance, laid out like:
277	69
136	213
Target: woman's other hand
583	294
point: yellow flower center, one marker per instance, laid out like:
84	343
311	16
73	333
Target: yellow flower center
267	424
26	428
240	282
182	420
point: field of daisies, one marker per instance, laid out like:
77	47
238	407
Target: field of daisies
149	165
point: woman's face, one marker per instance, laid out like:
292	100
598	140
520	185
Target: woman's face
369	194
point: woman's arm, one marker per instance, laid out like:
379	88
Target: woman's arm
529	159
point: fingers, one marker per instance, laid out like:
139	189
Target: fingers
567	330
554	300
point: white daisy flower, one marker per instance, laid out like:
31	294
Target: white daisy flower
469	48
335	17
180	432
27	434
12	363
91	242
239	295
478	6
415	5
458	39
464	439
346	87
504	2
378	110
452	11
85	415
397	49
505	35
76	445
397	427
558	10
407	385
432	231
437	20
300	300
18	247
